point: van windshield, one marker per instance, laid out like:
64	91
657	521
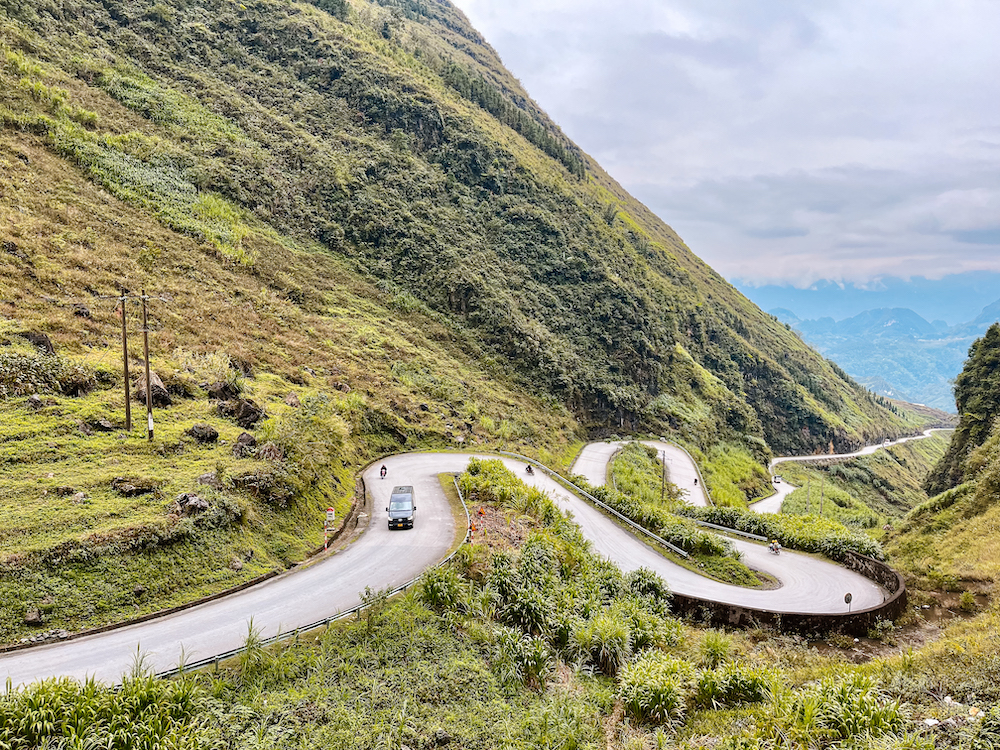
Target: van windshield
400	502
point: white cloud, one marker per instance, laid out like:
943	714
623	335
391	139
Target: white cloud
827	139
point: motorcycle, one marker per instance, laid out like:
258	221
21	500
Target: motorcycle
775	548
531	472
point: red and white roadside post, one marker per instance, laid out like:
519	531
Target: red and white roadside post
331	519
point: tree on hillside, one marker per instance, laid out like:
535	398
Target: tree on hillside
977	397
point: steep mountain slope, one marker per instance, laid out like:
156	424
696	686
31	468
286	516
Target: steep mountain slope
395	139
977	397
353	215
953	535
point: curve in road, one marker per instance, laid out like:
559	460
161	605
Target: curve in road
783	489
807	584
381	559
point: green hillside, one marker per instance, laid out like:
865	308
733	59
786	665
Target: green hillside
394	142
977	398
952	536
352	215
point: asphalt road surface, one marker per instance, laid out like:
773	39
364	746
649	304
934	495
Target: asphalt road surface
783	489
381	559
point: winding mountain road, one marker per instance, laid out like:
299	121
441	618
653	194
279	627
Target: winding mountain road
783	489
381	559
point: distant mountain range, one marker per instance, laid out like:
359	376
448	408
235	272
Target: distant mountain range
894	351
952	299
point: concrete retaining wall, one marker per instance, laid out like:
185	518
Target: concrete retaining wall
852	623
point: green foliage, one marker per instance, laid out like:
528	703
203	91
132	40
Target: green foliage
604	641
311	439
440	588
24	374
734	685
833	710
977	398
806	533
985	735
143	712
715	648
656	688
674	529
521	659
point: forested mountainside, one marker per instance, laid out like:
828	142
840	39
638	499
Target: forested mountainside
977	399
953	535
389	138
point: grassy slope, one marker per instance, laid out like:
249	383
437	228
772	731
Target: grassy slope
868	491
952	536
358	338
308	197
281	114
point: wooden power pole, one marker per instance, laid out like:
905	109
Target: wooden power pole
128	401
149	389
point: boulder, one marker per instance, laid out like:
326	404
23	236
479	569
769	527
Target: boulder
210	479
79	497
222	391
40	340
242	411
33	617
101	425
236	564
35	402
161	397
65	490
81	311
127	487
246	446
190	504
292	399
203	433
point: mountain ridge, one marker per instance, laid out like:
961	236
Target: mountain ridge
495	216
896	352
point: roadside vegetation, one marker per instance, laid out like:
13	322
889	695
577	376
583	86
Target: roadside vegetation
867	492
540	645
640	494
949	540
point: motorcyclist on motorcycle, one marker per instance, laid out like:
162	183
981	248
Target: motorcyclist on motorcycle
530	470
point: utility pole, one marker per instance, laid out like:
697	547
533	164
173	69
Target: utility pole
149	390
663	483
128	402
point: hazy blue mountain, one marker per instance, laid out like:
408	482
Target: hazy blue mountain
894	351
951	300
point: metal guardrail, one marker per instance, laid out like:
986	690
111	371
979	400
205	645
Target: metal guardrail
728	530
326	620
603	506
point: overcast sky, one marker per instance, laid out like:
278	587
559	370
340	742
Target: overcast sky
785	141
